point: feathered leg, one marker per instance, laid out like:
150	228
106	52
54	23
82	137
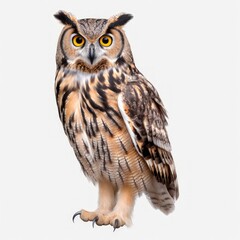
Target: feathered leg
106	203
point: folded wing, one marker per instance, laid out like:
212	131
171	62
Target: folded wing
145	119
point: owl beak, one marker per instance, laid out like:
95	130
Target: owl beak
91	53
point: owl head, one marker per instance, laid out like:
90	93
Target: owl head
90	44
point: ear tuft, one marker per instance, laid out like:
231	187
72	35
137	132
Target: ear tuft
66	18
120	20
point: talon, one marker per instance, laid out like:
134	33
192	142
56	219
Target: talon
116	224
95	221
76	214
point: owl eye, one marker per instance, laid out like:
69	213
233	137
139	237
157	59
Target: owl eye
105	41
78	41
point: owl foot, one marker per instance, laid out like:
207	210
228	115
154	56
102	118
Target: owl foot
113	219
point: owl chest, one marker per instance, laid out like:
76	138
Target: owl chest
96	130
101	124
101	137
92	121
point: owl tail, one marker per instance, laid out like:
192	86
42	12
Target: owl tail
160	198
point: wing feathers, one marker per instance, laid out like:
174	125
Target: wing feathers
145	118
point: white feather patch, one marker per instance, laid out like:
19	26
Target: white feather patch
83	77
86	140
126	121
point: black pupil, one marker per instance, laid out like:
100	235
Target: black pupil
105	40
79	40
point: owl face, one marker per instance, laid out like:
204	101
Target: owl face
92	42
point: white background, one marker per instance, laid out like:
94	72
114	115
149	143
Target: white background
190	51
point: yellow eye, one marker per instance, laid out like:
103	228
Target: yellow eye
78	41
105	41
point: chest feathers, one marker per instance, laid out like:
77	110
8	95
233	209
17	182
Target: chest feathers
86	97
88	109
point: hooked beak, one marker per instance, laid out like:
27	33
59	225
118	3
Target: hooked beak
91	53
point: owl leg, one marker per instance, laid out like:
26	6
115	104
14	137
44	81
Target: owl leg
106	203
121	213
106	198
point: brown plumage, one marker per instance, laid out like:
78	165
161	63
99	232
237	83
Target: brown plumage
114	119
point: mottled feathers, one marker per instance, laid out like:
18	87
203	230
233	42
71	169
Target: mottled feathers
114	119
145	118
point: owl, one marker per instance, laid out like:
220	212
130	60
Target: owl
114	119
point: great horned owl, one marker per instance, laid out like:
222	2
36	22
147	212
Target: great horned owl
114	119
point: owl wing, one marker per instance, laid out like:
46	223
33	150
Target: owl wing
145	118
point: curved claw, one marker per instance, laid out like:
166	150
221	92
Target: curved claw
116	224
94	221
76	214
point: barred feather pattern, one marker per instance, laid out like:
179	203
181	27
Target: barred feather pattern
115	122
